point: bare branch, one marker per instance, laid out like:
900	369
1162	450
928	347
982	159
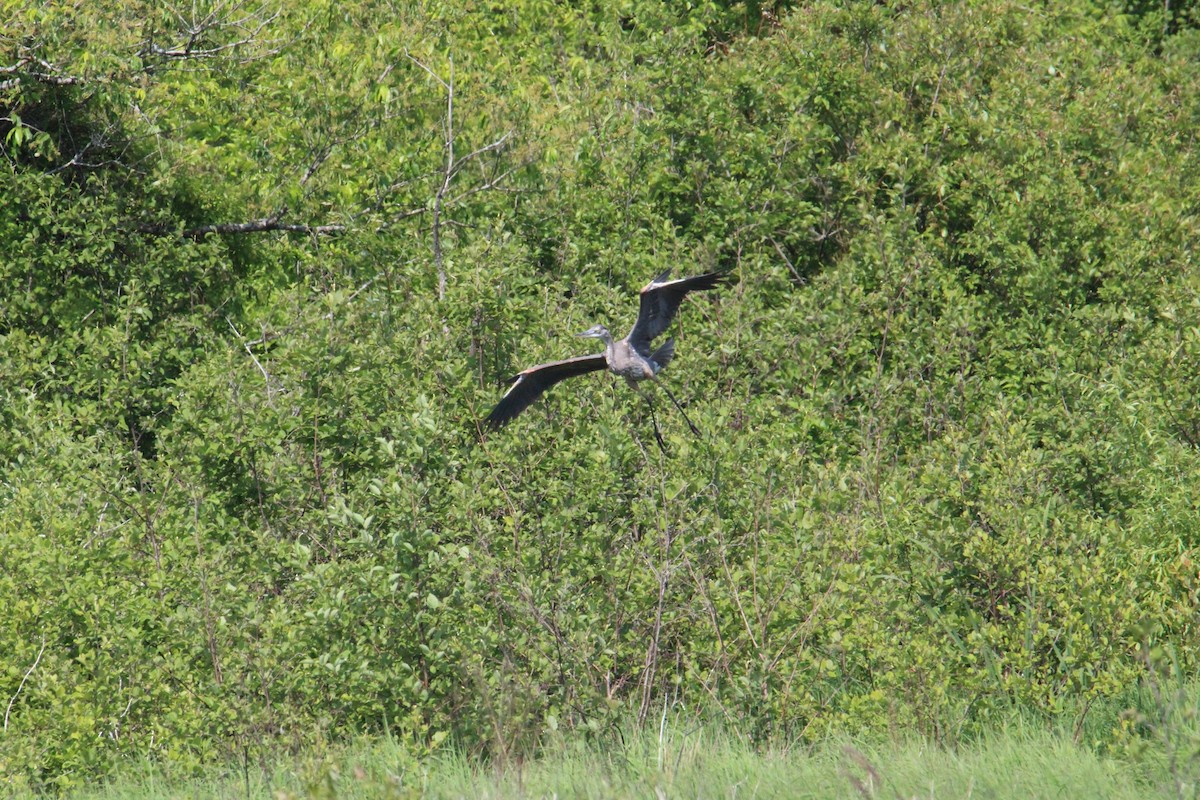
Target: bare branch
441	192
795	273
487	148
48	73
323	153
491	183
356	293
257	363
199	34
262	225
432	74
412	212
28	672
453	166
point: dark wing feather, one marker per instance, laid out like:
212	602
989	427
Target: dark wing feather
532	382
660	300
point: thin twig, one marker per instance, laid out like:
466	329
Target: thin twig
356	293
432	74
323	153
799	278
251	25
441	198
489	184
249	352
441	192
28	672
496	145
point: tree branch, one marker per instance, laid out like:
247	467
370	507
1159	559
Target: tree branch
49	73
28	672
198	33
490	183
262	225
487	148
254	358
441	192
453	166
432	74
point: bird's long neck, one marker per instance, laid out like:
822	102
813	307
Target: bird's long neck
609	346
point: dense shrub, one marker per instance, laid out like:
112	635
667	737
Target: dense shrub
949	461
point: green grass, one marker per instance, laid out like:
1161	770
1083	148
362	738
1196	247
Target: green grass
1021	761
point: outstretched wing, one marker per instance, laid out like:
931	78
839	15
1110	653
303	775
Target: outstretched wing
532	382
660	300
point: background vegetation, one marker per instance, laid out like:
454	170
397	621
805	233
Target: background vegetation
266	266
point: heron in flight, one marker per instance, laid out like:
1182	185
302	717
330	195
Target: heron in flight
631	357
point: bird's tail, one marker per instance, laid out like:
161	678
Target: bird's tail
663	355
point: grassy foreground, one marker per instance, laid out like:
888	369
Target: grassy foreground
701	762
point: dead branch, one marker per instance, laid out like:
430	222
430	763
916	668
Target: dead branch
21	686
262	225
319	159
490	183
45	72
441	192
453	166
200	35
431	73
487	148
254	358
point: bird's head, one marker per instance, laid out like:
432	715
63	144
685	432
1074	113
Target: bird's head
595	332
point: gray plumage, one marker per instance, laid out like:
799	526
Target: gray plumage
631	357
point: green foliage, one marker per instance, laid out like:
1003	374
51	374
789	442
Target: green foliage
266	268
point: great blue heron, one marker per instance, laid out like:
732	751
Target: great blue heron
631	357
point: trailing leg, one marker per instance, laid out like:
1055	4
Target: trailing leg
662	445
691	425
